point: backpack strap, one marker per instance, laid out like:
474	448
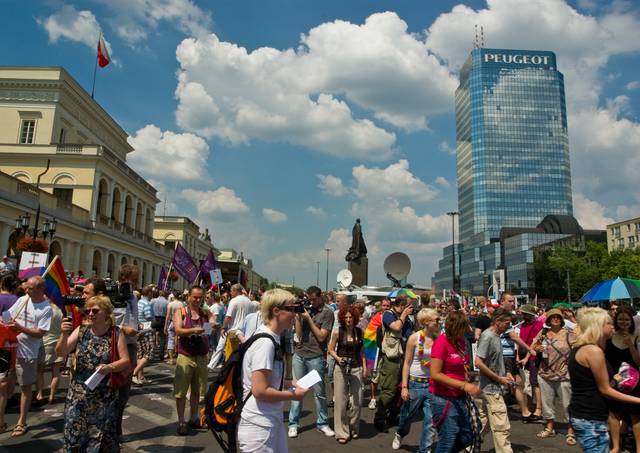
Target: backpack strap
249	343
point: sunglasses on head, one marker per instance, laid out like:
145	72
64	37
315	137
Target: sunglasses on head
92	311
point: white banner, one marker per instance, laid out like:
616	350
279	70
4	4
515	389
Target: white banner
31	259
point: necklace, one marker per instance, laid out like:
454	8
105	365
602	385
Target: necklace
421	339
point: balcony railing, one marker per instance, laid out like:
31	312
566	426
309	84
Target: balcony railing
69	148
26	188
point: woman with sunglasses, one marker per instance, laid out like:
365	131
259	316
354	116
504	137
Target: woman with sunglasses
449	386
90	416
416	373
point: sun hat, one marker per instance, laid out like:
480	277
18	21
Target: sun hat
553	312
529	309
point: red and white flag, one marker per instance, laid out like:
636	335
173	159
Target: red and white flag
103	54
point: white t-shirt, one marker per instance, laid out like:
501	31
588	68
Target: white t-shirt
239	307
32	316
260	356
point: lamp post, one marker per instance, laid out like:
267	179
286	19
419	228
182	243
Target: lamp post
453	215
49	227
326	284
317	273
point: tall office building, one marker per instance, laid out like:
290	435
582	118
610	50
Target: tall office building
512	153
512	142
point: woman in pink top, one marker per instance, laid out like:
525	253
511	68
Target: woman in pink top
450	387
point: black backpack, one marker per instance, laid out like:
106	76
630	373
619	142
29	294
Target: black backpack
223	401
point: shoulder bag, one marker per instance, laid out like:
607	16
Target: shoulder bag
118	379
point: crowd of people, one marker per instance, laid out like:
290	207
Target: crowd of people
457	367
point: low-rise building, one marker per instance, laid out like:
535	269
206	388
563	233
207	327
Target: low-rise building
623	235
236	268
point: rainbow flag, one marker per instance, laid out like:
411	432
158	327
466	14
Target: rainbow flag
370	344
56	283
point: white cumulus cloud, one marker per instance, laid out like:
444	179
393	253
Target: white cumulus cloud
318	212
168	155
133	19
273	216
222	201
303	96
331	185
395	181
73	25
589	213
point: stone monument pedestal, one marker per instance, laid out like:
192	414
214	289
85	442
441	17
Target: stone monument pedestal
360	271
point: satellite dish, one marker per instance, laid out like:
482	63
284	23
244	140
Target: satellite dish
345	278
397	266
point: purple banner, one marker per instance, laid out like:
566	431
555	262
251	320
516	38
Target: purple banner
162	279
184	264
209	263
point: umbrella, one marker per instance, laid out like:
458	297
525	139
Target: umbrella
617	288
402	292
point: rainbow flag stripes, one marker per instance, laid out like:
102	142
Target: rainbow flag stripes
370	344
56	283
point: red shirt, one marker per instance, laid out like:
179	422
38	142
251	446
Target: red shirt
452	365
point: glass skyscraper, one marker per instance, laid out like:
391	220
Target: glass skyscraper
512	155
512	142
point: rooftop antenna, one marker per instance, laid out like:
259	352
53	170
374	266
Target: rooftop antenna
482	36
164	209
475	41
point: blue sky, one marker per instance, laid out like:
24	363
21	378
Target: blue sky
285	120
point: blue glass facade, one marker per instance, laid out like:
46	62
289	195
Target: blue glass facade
512	159
512	142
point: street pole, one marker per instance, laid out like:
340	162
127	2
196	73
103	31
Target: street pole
326	284
318	273
453	215
568	287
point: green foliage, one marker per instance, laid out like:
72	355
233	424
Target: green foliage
586	268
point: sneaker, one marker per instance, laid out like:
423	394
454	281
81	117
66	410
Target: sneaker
397	441
326	431
372	404
136	381
293	431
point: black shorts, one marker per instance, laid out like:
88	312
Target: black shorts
511	367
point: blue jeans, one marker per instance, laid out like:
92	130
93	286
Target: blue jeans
331	366
592	435
419	398
302	366
454	434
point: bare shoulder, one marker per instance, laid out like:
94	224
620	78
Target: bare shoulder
589	354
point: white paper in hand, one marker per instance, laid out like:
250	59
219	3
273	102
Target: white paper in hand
309	380
93	380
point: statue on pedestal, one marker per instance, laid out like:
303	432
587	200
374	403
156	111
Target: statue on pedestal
358	249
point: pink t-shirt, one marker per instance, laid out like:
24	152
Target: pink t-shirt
452	365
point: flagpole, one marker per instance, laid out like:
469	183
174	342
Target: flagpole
49	266
95	69
166	280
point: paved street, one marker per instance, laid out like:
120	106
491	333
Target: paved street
150	426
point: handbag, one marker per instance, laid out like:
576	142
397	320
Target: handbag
118	379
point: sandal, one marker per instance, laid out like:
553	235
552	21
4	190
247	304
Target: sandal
546	433
343	441
19	430
354	435
571	439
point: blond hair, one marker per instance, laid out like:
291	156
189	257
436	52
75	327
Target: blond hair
274	298
426	313
104	304
591	321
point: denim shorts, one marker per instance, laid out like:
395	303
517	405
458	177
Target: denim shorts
592	435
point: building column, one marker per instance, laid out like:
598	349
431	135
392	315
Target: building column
94	196
5	233
86	260
75	256
123	205
109	200
103	264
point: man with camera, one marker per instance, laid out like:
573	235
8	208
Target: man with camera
125	310
397	326
192	346
313	324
